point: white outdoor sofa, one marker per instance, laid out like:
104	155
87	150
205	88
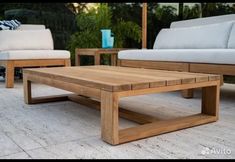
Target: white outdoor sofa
29	46
205	45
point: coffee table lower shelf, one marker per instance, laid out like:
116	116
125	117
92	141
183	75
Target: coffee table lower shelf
108	101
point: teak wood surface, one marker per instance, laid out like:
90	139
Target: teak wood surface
105	85
96	52
218	69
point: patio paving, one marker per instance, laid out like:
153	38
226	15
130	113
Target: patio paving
69	130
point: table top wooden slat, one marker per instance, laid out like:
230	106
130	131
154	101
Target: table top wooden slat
185	77
113	78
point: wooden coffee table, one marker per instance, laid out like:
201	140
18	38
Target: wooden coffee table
108	84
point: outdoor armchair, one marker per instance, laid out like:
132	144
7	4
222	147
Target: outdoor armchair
29	46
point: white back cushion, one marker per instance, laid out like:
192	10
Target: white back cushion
199	37
26	40
203	21
231	41
31	27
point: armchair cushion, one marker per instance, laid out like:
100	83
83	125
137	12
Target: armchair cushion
31	27
209	56
34	54
198	37
231	40
26	40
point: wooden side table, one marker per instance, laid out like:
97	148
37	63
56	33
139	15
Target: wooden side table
96	52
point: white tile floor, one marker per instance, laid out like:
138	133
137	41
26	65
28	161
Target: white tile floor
69	130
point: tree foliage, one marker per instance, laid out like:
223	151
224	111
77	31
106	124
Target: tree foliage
190	13
214	9
80	7
90	23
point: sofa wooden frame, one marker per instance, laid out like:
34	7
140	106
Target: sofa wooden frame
10	66
221	69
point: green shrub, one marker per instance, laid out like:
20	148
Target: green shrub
89	35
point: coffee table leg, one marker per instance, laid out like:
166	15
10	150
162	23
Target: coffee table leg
27	90
109	117
34	100
210	100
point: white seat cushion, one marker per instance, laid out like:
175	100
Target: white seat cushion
214	56
198	37
34	54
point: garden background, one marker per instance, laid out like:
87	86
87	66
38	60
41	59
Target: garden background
75	25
